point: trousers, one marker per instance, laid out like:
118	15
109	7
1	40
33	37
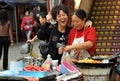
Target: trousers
4	46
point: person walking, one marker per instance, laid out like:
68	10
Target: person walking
6	36
27	24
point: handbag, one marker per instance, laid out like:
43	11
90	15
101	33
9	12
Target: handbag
44	48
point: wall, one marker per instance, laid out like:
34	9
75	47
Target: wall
86	5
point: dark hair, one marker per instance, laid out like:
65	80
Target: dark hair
43	14
56	10
27	11
80	13
3	17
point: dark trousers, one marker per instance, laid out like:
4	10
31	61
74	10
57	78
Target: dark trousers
4	45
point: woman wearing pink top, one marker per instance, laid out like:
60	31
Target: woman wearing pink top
26	24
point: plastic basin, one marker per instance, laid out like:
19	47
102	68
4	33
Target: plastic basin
67	67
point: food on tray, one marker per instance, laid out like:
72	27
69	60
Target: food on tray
87	60
101	57
34	68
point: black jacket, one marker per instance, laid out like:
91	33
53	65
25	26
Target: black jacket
44	32
55	38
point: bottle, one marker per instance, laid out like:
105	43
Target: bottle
39	61
47	62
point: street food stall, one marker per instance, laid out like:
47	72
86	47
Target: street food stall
96	68
30	69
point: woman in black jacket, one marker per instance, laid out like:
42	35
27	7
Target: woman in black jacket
59	32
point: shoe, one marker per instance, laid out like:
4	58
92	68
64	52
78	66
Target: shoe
5	68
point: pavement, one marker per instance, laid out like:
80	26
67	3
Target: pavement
14	53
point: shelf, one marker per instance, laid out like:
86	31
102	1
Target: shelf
113	41
107	29
105	15
105	24
107	19
118	47
106	53
108	35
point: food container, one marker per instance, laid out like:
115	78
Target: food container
68	68
28	61
95	72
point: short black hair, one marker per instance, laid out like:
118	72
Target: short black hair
3	16
43	14
56	10
80	13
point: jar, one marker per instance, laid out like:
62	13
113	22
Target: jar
38	61
28	61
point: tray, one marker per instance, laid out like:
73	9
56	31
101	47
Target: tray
89	65
33	74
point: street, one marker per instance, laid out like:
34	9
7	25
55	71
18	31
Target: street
14	53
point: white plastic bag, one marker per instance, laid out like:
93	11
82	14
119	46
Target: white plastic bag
66	58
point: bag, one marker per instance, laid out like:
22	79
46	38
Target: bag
25	48
44	48
66	58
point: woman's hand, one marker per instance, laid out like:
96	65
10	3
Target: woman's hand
49	17
60	50
30	41
68	48
88	24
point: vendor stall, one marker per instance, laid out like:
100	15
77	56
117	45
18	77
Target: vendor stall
30	70
96	68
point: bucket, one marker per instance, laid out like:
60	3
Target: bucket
95	74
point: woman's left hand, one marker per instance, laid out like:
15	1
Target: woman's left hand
60	50
88	24
68	48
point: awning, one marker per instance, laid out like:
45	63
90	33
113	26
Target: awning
25	1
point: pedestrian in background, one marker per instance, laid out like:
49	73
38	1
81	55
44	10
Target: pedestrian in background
27	24
43	33
6	37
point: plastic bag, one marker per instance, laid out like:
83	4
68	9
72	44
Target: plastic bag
66	58
25	48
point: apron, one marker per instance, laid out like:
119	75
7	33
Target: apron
82	54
